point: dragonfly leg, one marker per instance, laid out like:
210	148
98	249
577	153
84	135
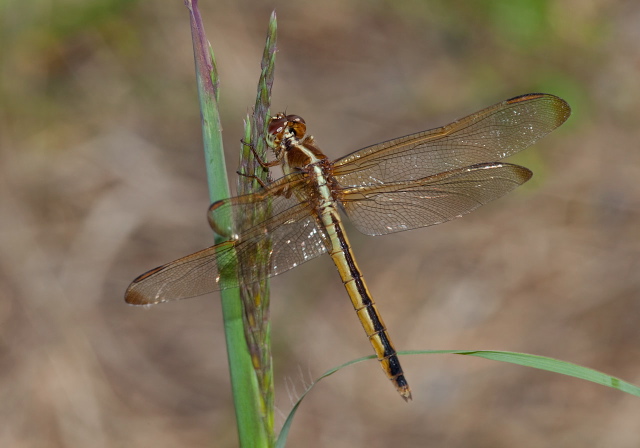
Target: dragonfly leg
263	163
252	176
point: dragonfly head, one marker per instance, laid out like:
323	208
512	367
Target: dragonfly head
285	127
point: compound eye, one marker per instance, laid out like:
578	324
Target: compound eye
295	119
277	124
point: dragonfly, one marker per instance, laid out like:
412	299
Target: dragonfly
409	182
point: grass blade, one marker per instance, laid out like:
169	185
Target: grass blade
523	359
244	383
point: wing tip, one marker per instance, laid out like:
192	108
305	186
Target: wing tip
560	107
133	297
524	172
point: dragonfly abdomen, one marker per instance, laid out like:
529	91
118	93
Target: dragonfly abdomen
361	299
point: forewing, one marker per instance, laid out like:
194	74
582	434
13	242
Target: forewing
399	206
486	136
291	235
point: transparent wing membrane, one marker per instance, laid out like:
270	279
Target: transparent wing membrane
291	232
400	206
485	136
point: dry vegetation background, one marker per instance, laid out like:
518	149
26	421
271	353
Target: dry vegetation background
102	178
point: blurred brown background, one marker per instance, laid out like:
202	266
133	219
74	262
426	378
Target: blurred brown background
102	178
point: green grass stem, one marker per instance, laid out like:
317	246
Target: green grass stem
248	401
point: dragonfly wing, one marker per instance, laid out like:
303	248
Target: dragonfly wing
287	236
285	218
399	206
485	136
190	276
